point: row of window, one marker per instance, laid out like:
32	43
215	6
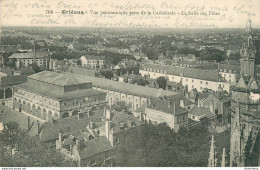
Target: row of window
155	70
192	81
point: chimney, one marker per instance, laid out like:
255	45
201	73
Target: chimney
182	103
91	125
107	114
77	143
104	114
29	123
169	104
220	88
108	128
59	137
87	113
78	115
149	101
70	149
211	107
132	71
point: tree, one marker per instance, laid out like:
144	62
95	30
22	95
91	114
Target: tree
161	81
158	145
140	81
30	152
79	62
10	134
35	68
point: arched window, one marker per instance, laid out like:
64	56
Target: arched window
8	93
64	115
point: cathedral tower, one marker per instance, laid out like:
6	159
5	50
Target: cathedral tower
248	53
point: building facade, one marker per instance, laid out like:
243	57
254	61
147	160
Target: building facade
133	96
92	61
26	59
161	111
69	96
190	77
245	109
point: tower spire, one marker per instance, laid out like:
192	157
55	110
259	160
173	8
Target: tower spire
212	154
223	162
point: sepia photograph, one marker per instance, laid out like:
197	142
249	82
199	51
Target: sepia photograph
151	83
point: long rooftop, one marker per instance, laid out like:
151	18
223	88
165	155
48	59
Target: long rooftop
28	55
187	72
57	78
127	88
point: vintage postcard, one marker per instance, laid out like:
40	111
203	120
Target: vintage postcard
151	83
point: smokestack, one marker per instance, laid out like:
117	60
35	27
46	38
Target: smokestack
34	50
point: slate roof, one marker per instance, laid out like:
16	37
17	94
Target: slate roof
187	72
163	106
69	125
93	147
122	119
201	111
28	55
57	78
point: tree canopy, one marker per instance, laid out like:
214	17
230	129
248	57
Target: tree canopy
161	81
157	145
30	152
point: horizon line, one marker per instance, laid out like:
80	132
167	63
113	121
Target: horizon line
135	27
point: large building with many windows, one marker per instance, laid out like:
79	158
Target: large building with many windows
26	59
190	77
48	95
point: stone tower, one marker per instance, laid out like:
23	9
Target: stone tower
245	109
248	53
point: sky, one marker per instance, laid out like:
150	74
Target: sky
131	14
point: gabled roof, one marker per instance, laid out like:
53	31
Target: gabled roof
164	106
253	84
70	125
241	83
27	71
93	147
201	111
